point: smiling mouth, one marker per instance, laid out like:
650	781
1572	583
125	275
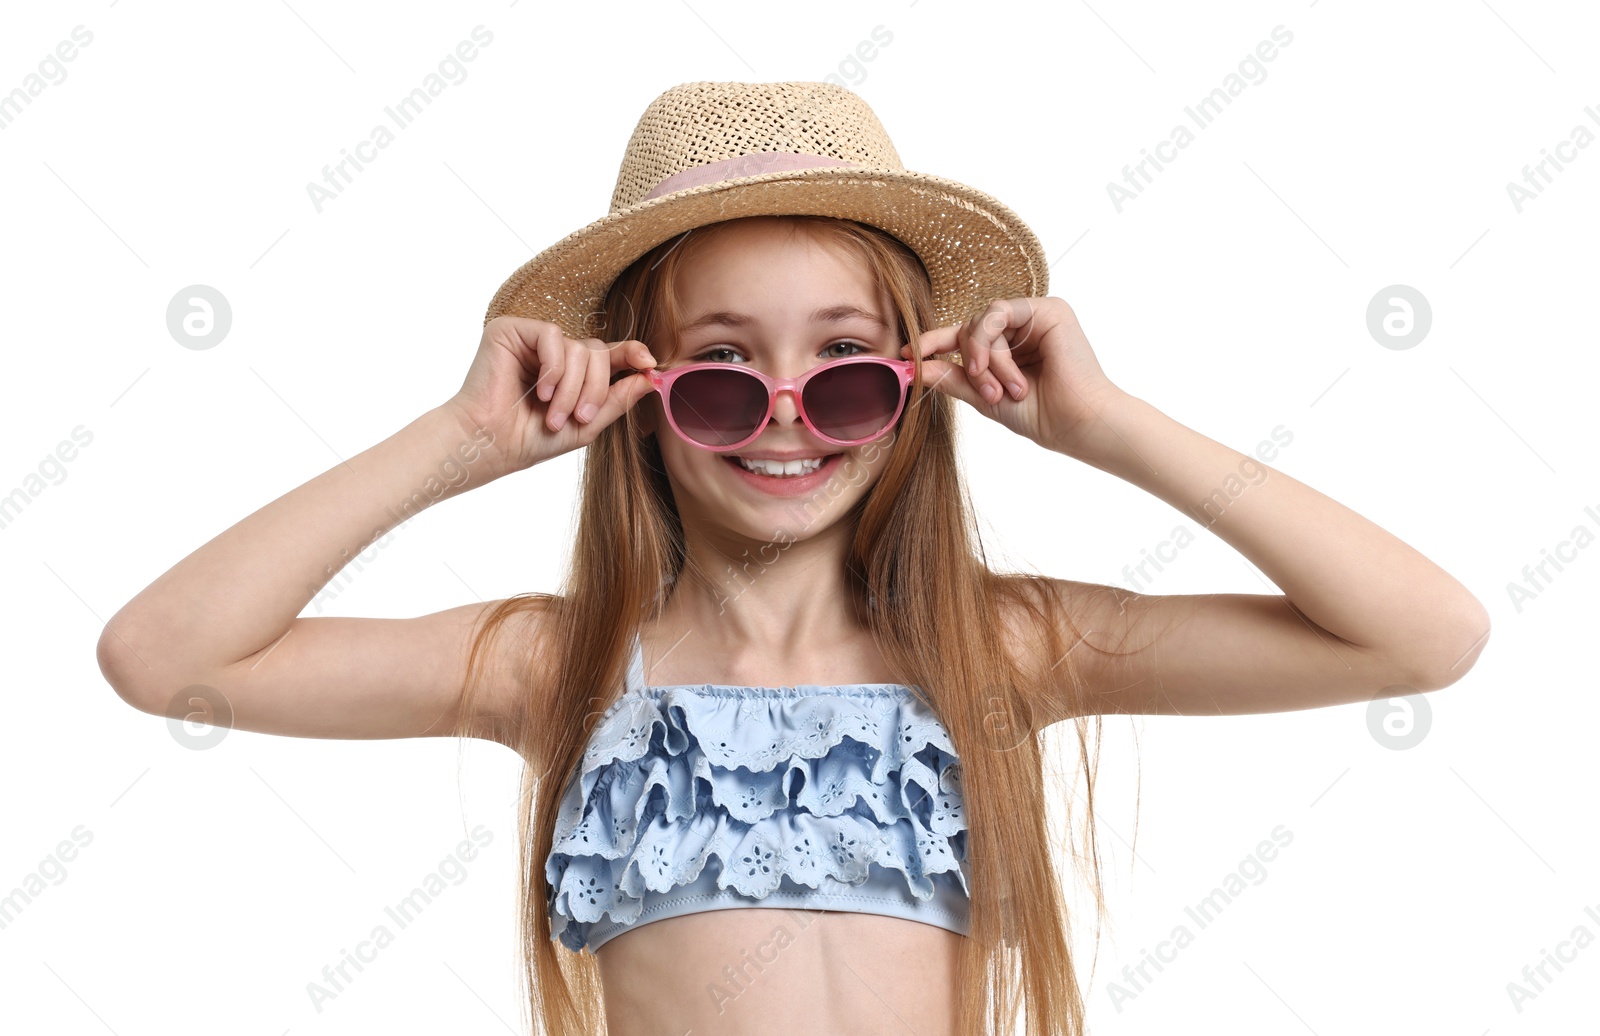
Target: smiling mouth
779	468
799	469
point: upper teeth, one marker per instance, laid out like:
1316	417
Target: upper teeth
779	467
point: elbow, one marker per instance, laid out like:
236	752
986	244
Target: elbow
144	663
1456	647
126	672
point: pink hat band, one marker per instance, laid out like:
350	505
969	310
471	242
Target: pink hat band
743	165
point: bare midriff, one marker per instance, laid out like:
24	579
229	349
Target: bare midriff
766	970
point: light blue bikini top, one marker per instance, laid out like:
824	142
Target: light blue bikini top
715	796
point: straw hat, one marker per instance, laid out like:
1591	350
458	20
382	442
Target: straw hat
710	151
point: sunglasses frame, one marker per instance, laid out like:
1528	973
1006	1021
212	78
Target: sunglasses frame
662	382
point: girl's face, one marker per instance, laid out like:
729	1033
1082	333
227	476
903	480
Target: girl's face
766	294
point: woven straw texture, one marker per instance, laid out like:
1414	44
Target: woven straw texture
974	247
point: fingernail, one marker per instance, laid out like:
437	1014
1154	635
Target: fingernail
991	393
557	421
586	412
1016	390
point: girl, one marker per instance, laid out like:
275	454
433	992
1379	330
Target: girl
782	724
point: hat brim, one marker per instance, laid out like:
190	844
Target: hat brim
974	247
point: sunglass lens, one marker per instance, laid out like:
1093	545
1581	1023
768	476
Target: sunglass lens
718	407
853	401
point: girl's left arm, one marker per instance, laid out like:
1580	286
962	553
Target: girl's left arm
1361	611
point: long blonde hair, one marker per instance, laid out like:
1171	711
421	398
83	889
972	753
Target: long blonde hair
916	552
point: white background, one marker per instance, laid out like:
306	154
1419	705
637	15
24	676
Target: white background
1232	294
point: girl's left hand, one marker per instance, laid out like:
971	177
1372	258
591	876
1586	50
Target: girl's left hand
1028	366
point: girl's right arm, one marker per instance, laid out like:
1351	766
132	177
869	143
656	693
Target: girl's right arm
227	617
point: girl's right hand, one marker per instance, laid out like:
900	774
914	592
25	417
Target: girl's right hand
529	382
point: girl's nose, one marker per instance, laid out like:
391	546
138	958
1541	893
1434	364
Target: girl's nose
784	410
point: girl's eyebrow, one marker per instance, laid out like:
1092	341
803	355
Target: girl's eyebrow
827	314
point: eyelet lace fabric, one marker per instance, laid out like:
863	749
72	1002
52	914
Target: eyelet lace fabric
709	796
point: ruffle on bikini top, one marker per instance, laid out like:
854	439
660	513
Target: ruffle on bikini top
811	782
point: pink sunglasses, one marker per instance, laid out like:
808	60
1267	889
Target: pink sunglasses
724	406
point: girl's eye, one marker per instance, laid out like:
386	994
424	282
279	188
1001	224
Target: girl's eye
716	355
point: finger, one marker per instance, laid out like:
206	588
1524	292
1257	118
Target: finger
936	340
978	337
630	355
552	360
952	380
620	397
1023	335
572	378
983	381
593	392
1003	367
991	337
520	337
